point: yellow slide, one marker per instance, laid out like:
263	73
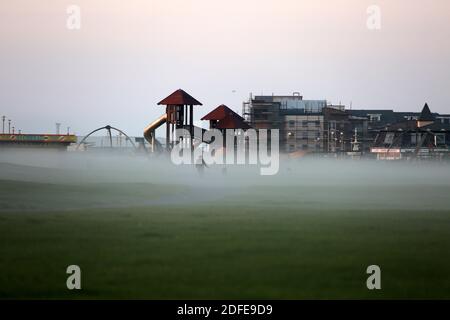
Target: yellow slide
149	132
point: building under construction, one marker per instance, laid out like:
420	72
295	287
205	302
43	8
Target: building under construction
305	125
313	126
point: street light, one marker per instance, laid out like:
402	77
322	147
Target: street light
3	127
333	138
318	146
9	126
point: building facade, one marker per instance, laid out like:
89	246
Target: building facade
313	126
427	136
310	126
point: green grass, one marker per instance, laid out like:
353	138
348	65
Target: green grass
32	196
238	247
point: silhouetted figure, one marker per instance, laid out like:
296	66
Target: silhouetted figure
200	165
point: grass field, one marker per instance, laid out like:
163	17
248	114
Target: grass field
257	243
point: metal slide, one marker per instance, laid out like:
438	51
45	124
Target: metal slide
149	132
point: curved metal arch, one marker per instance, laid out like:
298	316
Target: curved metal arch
128	138
107	128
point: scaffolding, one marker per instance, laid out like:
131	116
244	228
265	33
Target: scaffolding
260	114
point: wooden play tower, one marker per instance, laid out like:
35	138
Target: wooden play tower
179	114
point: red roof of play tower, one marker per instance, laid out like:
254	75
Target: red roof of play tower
180	98
232	121
227	118
219	113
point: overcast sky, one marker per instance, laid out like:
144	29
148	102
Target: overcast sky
130	54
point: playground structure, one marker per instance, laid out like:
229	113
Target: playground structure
109	129
223	118
149	133
180	115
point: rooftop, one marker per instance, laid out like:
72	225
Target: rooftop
232	121
426	115
180	98
219	113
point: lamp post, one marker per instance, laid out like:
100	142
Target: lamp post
333	149
9	126
3	127
318	146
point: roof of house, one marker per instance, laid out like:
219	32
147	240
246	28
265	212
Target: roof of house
329	112
403	125
437	126
426	115
390	117
180	98
411	125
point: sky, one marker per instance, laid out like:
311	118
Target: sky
129	55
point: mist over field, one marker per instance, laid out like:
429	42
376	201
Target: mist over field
90	180
137	226
172	232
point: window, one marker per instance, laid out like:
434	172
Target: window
389	138
291	123
413	139
304	123
439	139
374	117
317	123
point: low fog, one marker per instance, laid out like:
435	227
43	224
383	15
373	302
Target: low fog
56	180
